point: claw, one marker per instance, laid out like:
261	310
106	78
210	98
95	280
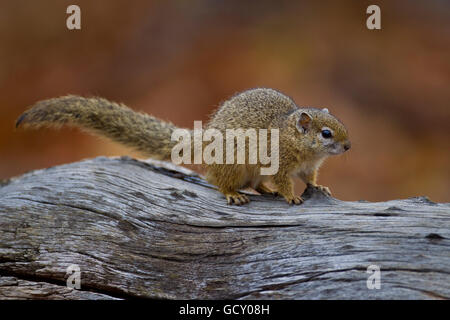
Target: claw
237	199
243	199
324	189
295	200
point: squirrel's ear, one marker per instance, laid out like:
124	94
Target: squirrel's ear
304	122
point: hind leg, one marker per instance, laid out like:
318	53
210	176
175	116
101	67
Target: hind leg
263	188
229	178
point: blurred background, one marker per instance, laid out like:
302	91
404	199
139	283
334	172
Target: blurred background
179	59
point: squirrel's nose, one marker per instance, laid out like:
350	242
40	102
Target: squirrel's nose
347	145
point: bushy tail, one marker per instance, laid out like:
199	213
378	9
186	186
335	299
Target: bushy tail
140	131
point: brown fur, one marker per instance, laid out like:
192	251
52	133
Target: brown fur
140	131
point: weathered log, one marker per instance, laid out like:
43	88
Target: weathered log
151	229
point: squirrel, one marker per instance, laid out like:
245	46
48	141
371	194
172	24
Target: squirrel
307	136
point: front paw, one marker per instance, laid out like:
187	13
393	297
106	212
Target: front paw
294	200
324	189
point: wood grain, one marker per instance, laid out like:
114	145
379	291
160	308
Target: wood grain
150	229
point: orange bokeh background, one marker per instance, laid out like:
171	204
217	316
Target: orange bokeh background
179	59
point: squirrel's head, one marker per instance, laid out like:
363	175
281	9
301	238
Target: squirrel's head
325	134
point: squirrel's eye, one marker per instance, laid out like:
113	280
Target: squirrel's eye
326	134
